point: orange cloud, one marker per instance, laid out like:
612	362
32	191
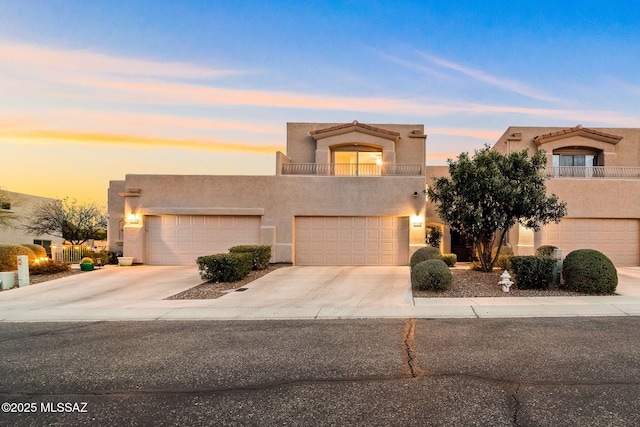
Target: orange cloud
131	140
83	61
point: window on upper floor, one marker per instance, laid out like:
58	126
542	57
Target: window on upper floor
357	161
574	162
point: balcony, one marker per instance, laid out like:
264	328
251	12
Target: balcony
353	169
594	172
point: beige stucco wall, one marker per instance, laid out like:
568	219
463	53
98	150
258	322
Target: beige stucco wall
277	198
624	153
115	225
301	146
21	206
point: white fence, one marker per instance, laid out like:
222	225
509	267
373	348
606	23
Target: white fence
68	253
353	169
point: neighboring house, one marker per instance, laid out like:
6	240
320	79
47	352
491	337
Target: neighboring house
18	206
597	172
344	194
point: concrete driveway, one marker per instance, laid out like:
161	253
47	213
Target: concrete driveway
138	293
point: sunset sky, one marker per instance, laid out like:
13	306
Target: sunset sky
93	90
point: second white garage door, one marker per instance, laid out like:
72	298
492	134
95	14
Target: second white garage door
352	240
181	239
618	239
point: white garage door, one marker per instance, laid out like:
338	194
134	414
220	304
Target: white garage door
618	239
181	239
352	240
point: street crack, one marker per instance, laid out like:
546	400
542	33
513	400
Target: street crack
411	367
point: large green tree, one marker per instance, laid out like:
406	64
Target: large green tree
74	222
486	194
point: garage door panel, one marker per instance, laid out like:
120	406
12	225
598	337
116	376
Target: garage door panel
181	239
618	239
352	240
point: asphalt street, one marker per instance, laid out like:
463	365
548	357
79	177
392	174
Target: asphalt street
486	372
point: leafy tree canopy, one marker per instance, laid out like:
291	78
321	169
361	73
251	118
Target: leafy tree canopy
488	193
73	222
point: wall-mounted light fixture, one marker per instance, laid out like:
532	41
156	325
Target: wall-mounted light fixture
133	218
416	221
415	194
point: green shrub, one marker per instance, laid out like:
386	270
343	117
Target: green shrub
431	275
86	260
225	267
49	267
261	254
449	259
532	272
38	250
503	259
475	266
9	256
504	250
545	250
589	271
107	257
424	254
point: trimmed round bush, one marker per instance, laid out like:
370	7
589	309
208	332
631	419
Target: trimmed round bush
424	254
9	256
589	271
449	259
431	275
545	250
40	251
503	260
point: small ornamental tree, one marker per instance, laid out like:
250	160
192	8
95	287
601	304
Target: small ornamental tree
73	222
7	217
489	193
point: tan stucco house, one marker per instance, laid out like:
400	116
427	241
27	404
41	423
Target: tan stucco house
17	207
597	172
343	194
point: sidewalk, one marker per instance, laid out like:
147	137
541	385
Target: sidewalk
320	293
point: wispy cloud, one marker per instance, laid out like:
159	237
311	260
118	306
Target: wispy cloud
495	81
474	133
83	62
94	138
208	95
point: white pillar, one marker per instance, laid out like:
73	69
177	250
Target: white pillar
23	270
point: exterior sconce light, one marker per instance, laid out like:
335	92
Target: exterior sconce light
134	218
416	221
415	194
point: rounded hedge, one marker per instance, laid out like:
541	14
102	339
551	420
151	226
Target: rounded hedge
9	256
431	275
424	254
546	250
589	271
40	251
449	259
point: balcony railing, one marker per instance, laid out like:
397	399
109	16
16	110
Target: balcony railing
350	169
595	172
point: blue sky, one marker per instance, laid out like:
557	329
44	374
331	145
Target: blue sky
91	91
